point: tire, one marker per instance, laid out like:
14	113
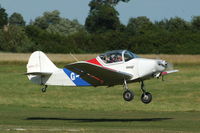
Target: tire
146	98
44	90
128	95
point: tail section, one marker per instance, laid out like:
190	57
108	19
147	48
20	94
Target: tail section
40	68
42	71
40	63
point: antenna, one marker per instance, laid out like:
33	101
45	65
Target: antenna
73	57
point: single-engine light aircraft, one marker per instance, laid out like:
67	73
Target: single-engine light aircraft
118	67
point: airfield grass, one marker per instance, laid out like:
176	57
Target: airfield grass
175	106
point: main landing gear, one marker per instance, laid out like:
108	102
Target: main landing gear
128	95
146	96
44	89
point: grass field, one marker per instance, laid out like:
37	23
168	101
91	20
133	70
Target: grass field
175	106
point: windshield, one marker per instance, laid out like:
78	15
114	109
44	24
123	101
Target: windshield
129	55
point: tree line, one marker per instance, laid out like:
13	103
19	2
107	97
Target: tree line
101	32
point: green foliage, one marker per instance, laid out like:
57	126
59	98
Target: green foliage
173	24
44	40
139	25
15	40
112	39
48	18
110	2
102	17
65	27
196	23
3	17
103	31
16	19
54	24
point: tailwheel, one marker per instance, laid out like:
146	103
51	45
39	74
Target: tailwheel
146	97
44	89
128	95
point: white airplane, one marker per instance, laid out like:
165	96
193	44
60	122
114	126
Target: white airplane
111	68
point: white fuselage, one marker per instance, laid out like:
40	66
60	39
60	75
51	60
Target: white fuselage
139	68
41	70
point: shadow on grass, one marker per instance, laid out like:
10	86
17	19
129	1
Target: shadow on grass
99	119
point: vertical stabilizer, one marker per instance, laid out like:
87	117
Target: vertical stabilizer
40	63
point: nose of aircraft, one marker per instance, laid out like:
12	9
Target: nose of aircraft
148	67
161	65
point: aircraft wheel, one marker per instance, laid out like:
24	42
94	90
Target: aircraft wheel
128	95
146	97
44	89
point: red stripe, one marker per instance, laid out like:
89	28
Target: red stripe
98	79
94	61
164	73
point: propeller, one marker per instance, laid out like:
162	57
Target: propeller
170	66
165	64
167	67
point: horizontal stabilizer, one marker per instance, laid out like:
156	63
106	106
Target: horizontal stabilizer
38	73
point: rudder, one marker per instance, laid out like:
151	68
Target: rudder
39	68
40	63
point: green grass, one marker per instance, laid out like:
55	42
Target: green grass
61	120
175	106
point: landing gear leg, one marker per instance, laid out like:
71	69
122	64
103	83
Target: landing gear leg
44	89
146	96
128	95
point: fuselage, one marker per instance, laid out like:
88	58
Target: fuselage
139	68
42	71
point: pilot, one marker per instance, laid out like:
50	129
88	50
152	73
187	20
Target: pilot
112	58
119	58
107	60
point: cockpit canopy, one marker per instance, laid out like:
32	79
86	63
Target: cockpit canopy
117	56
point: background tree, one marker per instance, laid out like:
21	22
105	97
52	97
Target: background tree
177	23
102	32
3	17
102	17
162	24
139	25
48	18
16	19
16	40
196	23
48	42
173	24
65	27
111	2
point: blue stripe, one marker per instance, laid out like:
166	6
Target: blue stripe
78	81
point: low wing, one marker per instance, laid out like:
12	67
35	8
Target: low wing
98	75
